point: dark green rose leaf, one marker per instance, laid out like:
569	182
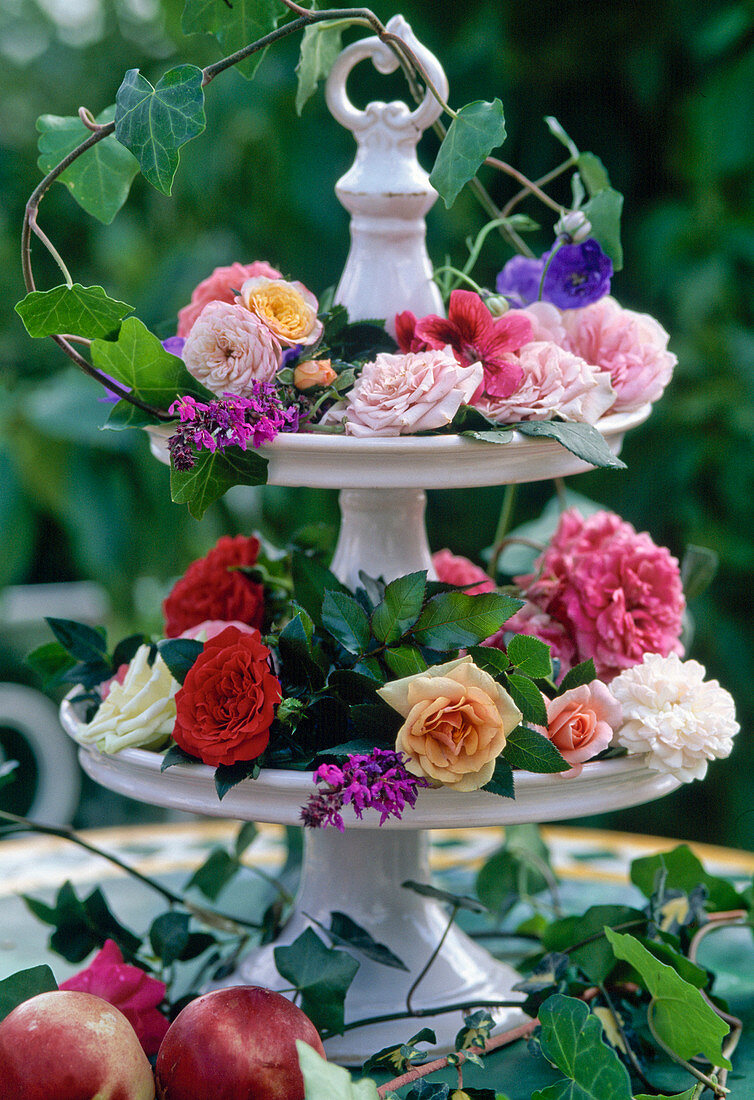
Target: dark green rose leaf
322	975
126	648
683	871
23	985
228	776
351	686
528	698
580	674
82	310
299	665
681	1016
530	656
50	661
213	473
400	608
154	121
234	25
404	660
86	643
477	129
100	179
320	45
215	873
179	655
501	435
310	582
489	659
176	755
583	440
571	1038
453	619
324	1080
502	780
346	620
532	752
458	901
603	211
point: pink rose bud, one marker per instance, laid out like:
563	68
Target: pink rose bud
314	372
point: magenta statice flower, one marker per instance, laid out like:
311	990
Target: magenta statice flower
231	421
576	275
520	280
376	781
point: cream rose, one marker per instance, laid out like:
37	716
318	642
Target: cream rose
457	721
288	310
137	714
228	350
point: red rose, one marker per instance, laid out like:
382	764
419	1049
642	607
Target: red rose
228	699
214	588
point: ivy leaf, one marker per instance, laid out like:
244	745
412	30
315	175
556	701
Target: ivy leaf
234	25
320	45
558	132
138	360
502	780
179	655
398	1058
100	179
169	936
153	121
683	871
215	873
84	310
81	925
595	958
593	173
571	1038
530	656
475	1031
404	660
687	1095
24	984
322	975
477	129
400	607
213	473
513	869
580	674
453	619
682	1018
346	932
532	752
528	698
582	440
603	211
458	901
346	620
501	435
324	1080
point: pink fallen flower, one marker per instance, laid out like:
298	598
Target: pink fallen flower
130	989
581	722
454	569
220	286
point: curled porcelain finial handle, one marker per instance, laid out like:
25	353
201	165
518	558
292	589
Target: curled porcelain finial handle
386	190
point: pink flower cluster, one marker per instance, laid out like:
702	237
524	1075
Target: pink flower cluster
454	569
601	590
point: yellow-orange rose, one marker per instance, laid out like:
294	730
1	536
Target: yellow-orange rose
314	372
288	310
457	721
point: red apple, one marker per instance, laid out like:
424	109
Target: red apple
235	1044
67	1045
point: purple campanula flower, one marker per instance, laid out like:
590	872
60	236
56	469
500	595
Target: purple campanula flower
110	397
519	280
289	354
576	274
174	345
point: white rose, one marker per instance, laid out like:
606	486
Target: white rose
137	714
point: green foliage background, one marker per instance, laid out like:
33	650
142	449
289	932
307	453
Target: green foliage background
661	91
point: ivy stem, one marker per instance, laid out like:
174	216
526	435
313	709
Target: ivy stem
528	184
418	1014
61	831
711	1081
628	1050
51	249
527	190
431	958
461	277
730	919
89	120
503	526
494	1043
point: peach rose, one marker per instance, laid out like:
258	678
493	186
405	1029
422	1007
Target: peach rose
457	721
581	722
288	310
314	372
221	286
228	350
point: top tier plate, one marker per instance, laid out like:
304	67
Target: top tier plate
420	462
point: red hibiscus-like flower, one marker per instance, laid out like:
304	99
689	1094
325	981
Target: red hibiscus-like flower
130	989
475	337
214	587
228	700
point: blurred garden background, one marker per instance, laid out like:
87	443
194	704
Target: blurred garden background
661	90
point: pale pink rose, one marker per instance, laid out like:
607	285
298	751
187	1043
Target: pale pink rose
454	569
616	594
546	322
632	347
228	349
288	310
581	722
403	394
220	287
531	620
204	632
130	989
555	383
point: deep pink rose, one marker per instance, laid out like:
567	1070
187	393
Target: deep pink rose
453	569
130	989
219	287
616	594
581	722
